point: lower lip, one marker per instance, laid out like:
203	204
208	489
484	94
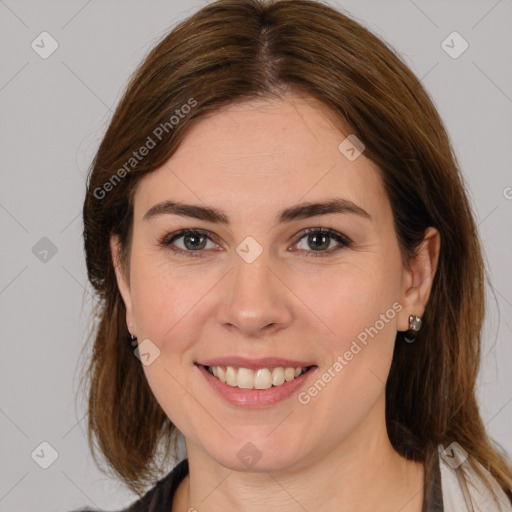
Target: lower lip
255	398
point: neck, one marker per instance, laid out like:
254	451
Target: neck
362	473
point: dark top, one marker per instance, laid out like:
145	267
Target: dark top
159	498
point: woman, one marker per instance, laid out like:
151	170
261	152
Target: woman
276	223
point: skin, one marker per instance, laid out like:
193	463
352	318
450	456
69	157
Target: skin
252	160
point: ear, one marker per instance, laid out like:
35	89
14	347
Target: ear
122	281
418	278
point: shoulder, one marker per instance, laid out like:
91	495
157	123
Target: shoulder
463	489
159	497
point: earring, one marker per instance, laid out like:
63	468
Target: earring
415	323
133	341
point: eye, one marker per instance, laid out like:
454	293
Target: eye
320	239
195	241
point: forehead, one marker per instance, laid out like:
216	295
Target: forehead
261	156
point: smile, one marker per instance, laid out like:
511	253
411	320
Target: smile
261	378
253	397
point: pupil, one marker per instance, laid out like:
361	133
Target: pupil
314	237
196	238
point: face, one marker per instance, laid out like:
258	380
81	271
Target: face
259	289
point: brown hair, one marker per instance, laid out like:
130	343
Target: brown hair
236	50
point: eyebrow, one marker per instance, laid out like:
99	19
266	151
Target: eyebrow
300	211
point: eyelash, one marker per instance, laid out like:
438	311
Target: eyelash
167	241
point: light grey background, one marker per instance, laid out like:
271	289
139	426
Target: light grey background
53	114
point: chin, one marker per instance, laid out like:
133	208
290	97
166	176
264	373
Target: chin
258	457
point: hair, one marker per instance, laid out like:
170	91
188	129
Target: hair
240	50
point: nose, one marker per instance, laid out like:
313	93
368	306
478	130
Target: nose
255	299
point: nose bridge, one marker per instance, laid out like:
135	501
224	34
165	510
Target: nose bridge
254	297
252	281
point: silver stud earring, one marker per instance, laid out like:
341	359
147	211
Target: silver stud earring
415	323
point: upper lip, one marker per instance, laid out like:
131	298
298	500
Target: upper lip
254	364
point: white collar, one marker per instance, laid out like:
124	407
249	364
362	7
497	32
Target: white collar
462	489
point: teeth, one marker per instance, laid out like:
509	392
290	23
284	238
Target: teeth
245	378
262	378
278	376
231	375
289	374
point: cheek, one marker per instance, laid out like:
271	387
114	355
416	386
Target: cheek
350	299
165	306
358	309
163	295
